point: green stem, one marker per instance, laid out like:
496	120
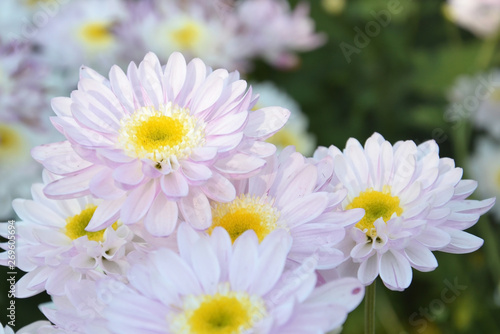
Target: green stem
490	246
486	52
370	309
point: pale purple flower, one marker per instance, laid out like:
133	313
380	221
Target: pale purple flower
271	30
81	32
288	194
415	203
54	248
156	142
245	285
198	29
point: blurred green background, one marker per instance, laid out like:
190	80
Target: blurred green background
396	85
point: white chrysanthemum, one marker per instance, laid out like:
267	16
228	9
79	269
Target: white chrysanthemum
414	201
482	17
295	130
484	166
213	287
157	143
288	194
54	247
194	30
85	29
273	31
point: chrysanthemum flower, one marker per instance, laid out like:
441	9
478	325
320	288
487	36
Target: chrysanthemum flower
85	28
414	202
295	130
223	288
54	247
274	32
155	142
195	29
287	194
484	166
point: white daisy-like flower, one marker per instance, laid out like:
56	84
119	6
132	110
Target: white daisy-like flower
481	17
219	287
295	130
484	166
156	142
414	201
287	194
54	247
86	29
193	29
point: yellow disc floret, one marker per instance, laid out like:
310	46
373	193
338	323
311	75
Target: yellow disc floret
75	225
243	214
160	135
226	312
377	205
96	34
12	143
284	138
187	36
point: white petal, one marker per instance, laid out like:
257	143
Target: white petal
369	270
265	122
174	185
244	261
395	271
196	210
161	218
219	189
138	203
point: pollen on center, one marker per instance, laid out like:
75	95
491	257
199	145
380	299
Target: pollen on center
245	213
162	134
76	225
226	312
377	205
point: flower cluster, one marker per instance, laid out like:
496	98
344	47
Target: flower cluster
166	211
43	42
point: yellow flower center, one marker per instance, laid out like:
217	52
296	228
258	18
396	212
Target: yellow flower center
160	135
284	138
226	312
333	6
75	225
377	205
12	143
97	34
243	214
187	36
